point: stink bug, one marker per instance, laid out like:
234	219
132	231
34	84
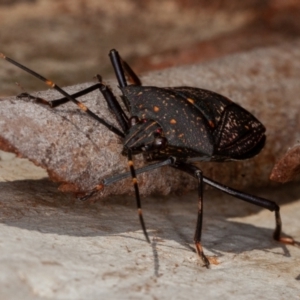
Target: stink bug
174	126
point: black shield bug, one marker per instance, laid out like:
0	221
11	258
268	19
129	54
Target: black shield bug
174	126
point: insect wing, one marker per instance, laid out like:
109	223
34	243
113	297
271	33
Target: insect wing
182	123
237	134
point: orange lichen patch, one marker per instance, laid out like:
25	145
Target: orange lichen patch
6	146
192	101
213	260
68	187
99	187
173	121
2	55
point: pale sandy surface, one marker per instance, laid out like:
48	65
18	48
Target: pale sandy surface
53	247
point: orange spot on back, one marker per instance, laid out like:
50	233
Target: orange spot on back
173	121
191	100
156	108
211	123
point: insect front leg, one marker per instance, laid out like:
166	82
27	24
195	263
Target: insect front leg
197	173
69	97
198	231
108	95
60	101
116	178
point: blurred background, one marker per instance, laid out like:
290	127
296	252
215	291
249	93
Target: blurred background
68	40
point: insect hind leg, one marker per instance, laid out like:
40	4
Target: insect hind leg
259	201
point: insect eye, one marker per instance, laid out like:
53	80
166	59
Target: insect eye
158	131
160	142
133	121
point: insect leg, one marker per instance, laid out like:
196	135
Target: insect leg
116	178
169	161
197	173
198	231
111	100
137	194
67	96
114	105
259	201
132	174
60	101
117	65
121	68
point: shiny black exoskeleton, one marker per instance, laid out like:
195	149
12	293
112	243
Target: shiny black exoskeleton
193	124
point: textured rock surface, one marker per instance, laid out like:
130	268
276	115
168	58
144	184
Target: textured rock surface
77	150
287	168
